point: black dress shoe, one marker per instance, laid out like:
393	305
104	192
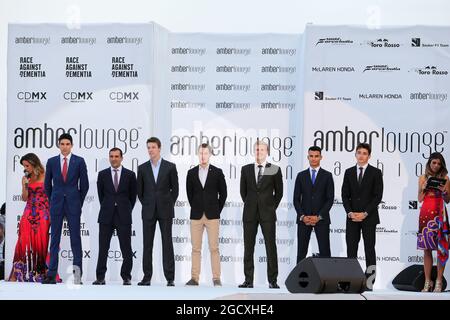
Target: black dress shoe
170	283
144	283
49	280
127	282
274	285
99	282
246	284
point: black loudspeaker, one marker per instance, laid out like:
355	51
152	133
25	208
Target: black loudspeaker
413	278
326	275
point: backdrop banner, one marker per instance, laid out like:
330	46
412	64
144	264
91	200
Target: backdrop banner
387	87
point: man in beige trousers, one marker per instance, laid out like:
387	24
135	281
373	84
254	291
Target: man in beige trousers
206	191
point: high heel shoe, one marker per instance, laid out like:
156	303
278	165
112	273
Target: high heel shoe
428	286
438	286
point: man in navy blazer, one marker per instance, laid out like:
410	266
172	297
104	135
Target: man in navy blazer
313	199
117	191
66	186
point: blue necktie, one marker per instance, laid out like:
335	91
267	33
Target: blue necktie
313	177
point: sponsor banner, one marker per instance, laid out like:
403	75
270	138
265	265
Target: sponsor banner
229	90
387	87
96	84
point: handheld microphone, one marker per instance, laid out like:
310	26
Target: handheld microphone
27	174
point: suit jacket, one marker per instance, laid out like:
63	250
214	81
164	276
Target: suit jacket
314	199
157	197
123	199
209	199
264	199
74	190
365	197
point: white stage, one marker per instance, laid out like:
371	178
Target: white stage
115	291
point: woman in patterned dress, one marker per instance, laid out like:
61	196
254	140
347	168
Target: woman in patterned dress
29	264
433	220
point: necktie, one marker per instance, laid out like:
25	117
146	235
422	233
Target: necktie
360	177
313	176
116	179
260	175
64	170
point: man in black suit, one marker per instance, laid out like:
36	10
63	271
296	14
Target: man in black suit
206	191
261	191
362	191
313	199
157	183
117	190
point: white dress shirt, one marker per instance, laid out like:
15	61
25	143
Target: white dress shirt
203	174
257	169
364	169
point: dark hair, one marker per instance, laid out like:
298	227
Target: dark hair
442	172
33	159
65	136
116	149
154	140
363	145
315	148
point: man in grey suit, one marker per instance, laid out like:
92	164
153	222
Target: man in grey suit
157	184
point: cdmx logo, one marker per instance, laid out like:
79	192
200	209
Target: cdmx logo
68	254
34	96
117	255
124	96
77	96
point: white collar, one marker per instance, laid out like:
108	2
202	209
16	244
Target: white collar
264	164
364	166
61	156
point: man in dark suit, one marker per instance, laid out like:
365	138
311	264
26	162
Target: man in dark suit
117	191
206	191
261	191
313	199
66	186
157	184
362	191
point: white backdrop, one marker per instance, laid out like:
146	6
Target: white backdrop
388	87
231	88
228	90
232	16
101	107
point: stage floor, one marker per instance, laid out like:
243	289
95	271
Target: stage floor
115	291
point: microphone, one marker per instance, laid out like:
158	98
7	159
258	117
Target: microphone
27	174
